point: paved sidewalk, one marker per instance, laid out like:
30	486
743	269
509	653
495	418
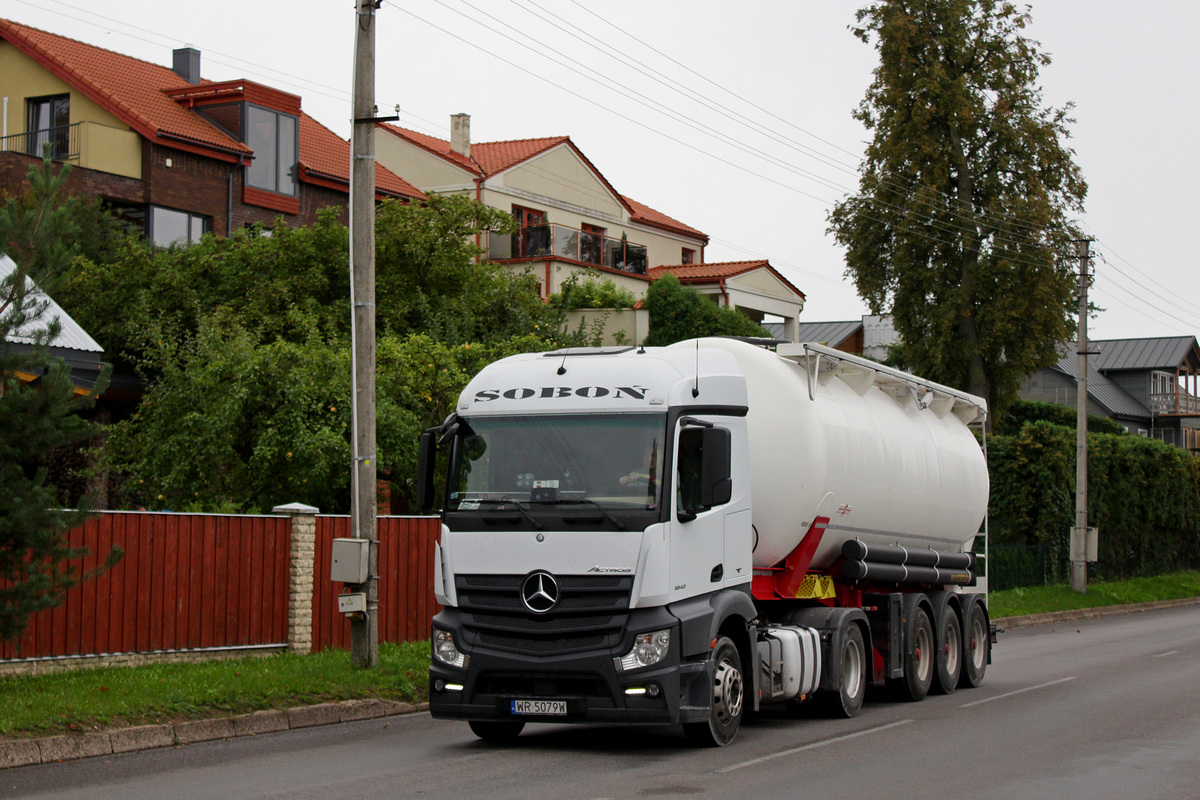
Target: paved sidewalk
22	752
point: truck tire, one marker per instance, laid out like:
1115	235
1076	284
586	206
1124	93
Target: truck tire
976	647
918	661
728	694
947	661
852	684
501	732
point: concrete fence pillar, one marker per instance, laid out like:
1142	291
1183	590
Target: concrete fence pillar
301	569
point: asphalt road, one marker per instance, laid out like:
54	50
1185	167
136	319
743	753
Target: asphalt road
1103	708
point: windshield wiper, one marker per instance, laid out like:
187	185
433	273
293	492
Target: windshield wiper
524	513
587	501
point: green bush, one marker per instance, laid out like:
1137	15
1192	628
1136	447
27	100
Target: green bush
592	292
1143	495
679	312
1018	413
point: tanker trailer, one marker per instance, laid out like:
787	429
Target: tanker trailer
684	534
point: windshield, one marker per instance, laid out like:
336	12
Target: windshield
609	460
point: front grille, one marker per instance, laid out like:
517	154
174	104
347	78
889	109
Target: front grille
525	644
587	616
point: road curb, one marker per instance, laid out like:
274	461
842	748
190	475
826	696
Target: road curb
1091	613
65	747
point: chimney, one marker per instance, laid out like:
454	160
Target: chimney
186	64
460	134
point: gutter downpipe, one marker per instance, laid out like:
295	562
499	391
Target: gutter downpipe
479	199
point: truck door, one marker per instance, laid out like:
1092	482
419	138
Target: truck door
702	491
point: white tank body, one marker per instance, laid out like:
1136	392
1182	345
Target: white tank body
882	465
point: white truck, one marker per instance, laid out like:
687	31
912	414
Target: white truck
684	534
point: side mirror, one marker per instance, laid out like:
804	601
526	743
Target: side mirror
704	470
426	466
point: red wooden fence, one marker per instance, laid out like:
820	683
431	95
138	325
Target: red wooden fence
406	601
187	581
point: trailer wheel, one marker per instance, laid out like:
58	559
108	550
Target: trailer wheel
947	661
852	684
976	648
725	714
497	732
918	661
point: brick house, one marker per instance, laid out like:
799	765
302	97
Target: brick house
175	155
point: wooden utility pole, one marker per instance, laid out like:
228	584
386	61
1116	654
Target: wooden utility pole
1079	533
364	627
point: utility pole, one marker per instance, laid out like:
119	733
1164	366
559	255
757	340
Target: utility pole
1079	534
364	626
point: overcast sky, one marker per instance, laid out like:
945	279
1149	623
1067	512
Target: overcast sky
731	117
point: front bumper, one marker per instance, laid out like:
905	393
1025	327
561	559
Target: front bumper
588	681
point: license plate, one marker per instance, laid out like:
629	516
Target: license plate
540	707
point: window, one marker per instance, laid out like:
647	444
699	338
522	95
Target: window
168	227
528	216
591	244
49	120
273	136
533	238
689	256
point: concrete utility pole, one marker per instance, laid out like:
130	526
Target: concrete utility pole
364	628
1079	533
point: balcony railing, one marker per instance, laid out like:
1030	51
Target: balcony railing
64	142
1171	403
558	241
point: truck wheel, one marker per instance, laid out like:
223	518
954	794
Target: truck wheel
976	648
918	662
852	685
947	661
497	732
725	714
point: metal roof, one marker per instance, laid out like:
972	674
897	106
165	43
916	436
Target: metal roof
1104	391
1165	353
71	335
830	333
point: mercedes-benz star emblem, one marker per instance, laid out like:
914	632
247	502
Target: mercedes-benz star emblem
540	592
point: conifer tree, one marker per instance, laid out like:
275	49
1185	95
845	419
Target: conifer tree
38	404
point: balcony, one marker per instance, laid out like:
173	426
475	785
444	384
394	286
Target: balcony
89	145
1174	403
64	142
557	241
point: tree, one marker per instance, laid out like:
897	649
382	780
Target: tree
960	228
39	231
679	312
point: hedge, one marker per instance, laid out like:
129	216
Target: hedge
1143	495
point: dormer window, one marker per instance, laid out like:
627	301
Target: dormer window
272	135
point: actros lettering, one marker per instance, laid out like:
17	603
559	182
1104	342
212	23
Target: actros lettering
554	392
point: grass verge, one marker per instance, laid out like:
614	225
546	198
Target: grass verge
1044	599
88	699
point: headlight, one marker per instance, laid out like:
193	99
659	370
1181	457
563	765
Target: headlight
444	650
648	649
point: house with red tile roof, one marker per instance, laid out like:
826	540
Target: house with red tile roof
175	155
571	218
754	287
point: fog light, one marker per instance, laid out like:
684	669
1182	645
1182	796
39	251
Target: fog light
654	690
648	649
446	651
439	685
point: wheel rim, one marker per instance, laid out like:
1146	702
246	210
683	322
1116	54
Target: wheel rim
953	648
727	692
922	653
978	654
852	668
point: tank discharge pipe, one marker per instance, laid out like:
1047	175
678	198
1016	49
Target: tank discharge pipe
901	565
